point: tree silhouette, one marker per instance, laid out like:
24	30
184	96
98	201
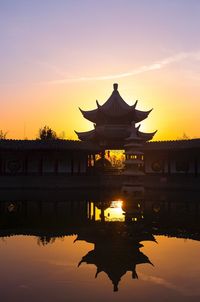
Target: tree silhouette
46	239
3	134
46	133
184	137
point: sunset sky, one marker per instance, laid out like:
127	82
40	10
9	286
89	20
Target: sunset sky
56	56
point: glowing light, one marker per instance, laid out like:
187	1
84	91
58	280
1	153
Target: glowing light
115	212
134	219
116	204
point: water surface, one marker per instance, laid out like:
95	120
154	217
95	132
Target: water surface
81	250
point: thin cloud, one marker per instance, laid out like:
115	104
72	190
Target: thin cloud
51	67
186	291
142	69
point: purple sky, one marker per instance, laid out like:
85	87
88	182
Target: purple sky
52	49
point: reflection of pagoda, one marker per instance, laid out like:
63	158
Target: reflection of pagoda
116	250
113	122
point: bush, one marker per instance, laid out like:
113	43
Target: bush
3	134
46	133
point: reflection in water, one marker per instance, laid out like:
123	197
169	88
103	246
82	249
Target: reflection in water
110	211
116	250
117	229
44	240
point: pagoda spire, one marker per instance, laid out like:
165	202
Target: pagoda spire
115	86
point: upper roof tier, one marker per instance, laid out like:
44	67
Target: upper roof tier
115	111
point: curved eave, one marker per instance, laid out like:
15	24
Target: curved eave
140	115
115	111
146	136
86	136
91	115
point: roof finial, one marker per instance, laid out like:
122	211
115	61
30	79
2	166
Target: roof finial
115	86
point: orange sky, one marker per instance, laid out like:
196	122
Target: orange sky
57	58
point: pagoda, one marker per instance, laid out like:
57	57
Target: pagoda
114	122
134	163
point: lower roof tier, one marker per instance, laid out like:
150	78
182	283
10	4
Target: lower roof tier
109	134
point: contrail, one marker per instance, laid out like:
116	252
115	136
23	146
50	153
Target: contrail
142	69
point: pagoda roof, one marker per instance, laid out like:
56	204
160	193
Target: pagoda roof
115	132
137	135
116	110
146	136
87	135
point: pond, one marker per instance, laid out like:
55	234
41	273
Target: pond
68	248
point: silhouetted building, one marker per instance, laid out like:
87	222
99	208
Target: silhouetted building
113	122
38	157
114	128
173	157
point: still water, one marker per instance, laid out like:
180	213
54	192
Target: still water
105	249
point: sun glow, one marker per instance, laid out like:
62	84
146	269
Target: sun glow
113	212
116	204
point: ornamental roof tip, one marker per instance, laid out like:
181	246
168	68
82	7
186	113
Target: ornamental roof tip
82	111
115	86
98	105
135	103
